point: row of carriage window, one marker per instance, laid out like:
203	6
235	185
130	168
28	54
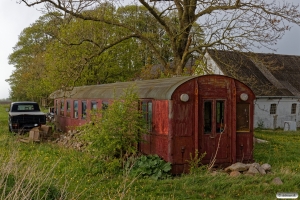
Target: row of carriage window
60	108
146	107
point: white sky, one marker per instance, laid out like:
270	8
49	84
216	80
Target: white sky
15	17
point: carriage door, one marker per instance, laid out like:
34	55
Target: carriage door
213	136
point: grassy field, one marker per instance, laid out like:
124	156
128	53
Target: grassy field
48	171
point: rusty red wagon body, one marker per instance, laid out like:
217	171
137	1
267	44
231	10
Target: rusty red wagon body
211	114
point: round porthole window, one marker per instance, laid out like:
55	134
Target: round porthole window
184	97
244	96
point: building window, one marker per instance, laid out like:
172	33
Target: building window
147	113
62	107
273	108
83	110
294	107
75	108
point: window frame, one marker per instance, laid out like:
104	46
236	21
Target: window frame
293	108
243	117
104	105
208	116
68	107
146	106
273	109
75	109
83	109
94	103
56	107
62	107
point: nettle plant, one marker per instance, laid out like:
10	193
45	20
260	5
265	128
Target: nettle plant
114	133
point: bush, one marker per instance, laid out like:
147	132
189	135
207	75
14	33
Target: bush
117	132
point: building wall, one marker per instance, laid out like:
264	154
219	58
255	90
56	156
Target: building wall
263	118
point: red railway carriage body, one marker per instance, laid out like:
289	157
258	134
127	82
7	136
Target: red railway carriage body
211	114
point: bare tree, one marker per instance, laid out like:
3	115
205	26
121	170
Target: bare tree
239	25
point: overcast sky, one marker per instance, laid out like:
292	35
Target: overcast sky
15	17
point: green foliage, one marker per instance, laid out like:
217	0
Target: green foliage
117	132
94	52
150	166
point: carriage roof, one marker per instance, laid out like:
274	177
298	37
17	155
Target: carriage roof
152	89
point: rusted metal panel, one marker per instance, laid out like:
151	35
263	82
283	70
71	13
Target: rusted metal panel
145	145
232	136
159	145
244	138
182	149
171	133
160	117
244	147
196	118
183	119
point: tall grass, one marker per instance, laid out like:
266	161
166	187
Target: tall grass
20	181
48	171
29	171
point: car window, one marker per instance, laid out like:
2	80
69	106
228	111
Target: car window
25	108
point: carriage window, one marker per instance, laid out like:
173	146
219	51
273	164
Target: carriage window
83	109
62	108
104	105
207	117
56	107
75	107
68	108
147	113
242	117
273	108
220	116
294	108
149	121
93	105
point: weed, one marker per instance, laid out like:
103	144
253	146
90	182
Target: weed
195	165
260	124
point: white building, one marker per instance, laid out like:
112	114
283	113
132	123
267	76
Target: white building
275	79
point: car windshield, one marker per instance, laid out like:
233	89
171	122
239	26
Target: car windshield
25	107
